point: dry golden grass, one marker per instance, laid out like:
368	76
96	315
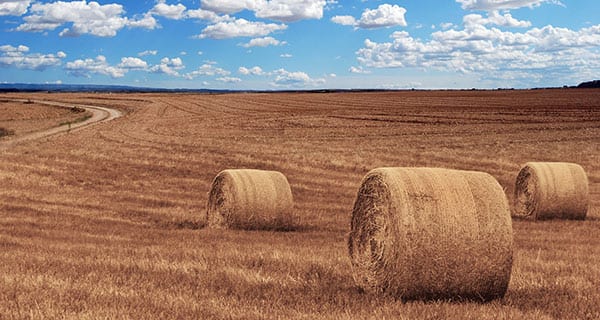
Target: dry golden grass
107	222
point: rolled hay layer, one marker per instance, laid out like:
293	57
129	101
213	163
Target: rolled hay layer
551	190
429	233
250	199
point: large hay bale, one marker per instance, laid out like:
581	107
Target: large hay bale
250	199
429	233
547	190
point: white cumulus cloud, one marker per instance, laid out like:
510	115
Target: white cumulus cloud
229	6
99	65
263	42
284	78
385	15
19	57
14	7
344	20
533	55
290	10
85	18
359	70
170	11
495	18
133	63
229	79
280	10
256	70
146	21
240	28
169	66
206	15
207	69
502	4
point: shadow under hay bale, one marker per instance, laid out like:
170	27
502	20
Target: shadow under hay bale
551	190
251	199
428	233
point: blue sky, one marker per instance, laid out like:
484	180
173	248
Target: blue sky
301	44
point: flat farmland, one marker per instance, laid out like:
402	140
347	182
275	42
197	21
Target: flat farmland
109	221
21	117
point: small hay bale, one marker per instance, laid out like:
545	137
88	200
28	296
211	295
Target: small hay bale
429	233
551	190
250	199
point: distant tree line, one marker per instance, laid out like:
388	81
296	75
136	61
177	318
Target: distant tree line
590	84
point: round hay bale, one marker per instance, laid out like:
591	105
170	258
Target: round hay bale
250	199
429	233
551	190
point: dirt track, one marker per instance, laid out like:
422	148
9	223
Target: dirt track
99	114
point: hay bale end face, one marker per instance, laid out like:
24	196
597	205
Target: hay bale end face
428	233
551	190
250	199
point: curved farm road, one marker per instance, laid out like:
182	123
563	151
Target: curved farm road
99	114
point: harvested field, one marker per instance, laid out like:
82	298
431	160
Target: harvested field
108	221
22	117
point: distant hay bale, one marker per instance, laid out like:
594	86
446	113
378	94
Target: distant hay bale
551	190
429	233
250	199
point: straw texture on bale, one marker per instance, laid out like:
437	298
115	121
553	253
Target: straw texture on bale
429	233
551	190
250	199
